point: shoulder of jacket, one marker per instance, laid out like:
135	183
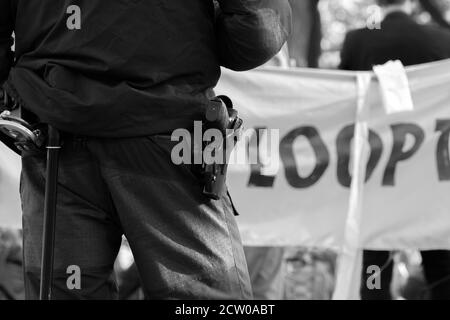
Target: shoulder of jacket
357	35
436	31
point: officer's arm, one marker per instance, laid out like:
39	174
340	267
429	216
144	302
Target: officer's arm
250	32
6	41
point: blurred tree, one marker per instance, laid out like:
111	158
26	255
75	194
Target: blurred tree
437	10
338	17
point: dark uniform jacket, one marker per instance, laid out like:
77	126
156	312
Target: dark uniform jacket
134	67
400	38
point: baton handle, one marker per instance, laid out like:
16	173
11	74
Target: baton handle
48	238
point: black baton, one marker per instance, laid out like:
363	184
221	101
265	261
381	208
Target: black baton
51	188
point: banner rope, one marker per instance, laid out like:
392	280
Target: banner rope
350	256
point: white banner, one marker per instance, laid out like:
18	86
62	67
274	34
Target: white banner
300	193
401	199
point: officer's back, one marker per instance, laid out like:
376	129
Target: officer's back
138	67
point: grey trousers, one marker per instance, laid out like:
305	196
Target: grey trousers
185	245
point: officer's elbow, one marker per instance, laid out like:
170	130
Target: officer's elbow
246	43
253	56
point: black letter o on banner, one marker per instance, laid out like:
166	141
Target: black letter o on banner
288	157
343	145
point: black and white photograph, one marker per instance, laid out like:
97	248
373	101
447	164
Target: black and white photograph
237	158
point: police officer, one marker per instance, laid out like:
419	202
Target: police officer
117	78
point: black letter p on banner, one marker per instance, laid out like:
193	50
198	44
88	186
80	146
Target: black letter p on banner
400	133
442	151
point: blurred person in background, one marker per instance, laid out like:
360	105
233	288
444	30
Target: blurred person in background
11	273
267	269
310	274
399	38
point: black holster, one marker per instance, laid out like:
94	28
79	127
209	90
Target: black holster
220	115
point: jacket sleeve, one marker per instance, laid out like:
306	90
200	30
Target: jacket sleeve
250	32
6	40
